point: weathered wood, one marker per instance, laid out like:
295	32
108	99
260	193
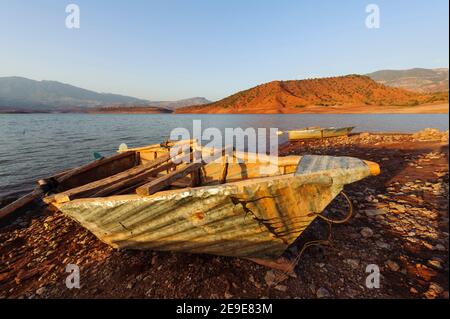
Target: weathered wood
196	178
132	189
132	181
20	203
165	145
94	187
166	180
223	178
71	173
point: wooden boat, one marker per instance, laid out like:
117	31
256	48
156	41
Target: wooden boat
144	198
318	133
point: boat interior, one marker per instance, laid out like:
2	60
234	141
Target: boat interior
159	167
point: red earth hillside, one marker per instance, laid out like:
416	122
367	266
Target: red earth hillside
318	95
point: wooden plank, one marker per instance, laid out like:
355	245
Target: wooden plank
166	180
196	178
193	168
20	203
71	173
132	181
223	178
94	187
164	145
132	189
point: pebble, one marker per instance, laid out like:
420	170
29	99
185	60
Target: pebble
435	263
382	244
393	266
439	247
270	278
41	291
375	212
398	207
434	291
322	293
281	288
227	295
366	232
354	263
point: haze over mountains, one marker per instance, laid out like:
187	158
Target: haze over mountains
405	88
22	94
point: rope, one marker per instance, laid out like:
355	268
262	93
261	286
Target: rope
280	277
346	219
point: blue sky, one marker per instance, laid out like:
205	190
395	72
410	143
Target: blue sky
173	49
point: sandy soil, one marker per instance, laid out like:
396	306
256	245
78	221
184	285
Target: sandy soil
347	109
400	224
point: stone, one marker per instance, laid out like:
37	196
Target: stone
399	208
436	287
439	247
434	291
364	135
354	263
392	265
374	212
281	288
270	278
41	291
322	293
366	232
382	244
435	263
227	295
254	282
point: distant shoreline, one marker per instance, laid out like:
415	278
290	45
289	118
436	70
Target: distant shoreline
442	108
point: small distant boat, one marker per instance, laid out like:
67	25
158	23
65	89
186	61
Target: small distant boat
317	133
143	199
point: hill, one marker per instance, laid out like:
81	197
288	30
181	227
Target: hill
324	95
25	94
18	94
419	80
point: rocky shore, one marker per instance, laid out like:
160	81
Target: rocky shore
400	225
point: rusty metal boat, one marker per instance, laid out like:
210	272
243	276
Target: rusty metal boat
143	199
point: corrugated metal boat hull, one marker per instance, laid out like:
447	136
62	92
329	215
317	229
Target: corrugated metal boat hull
256	218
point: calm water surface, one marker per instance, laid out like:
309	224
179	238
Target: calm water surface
34	146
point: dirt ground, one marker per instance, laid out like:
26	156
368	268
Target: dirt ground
400	224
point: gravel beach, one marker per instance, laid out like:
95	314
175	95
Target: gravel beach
400	224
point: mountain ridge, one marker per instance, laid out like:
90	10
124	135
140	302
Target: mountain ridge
23	94
416	79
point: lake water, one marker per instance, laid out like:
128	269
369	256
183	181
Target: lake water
34	146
